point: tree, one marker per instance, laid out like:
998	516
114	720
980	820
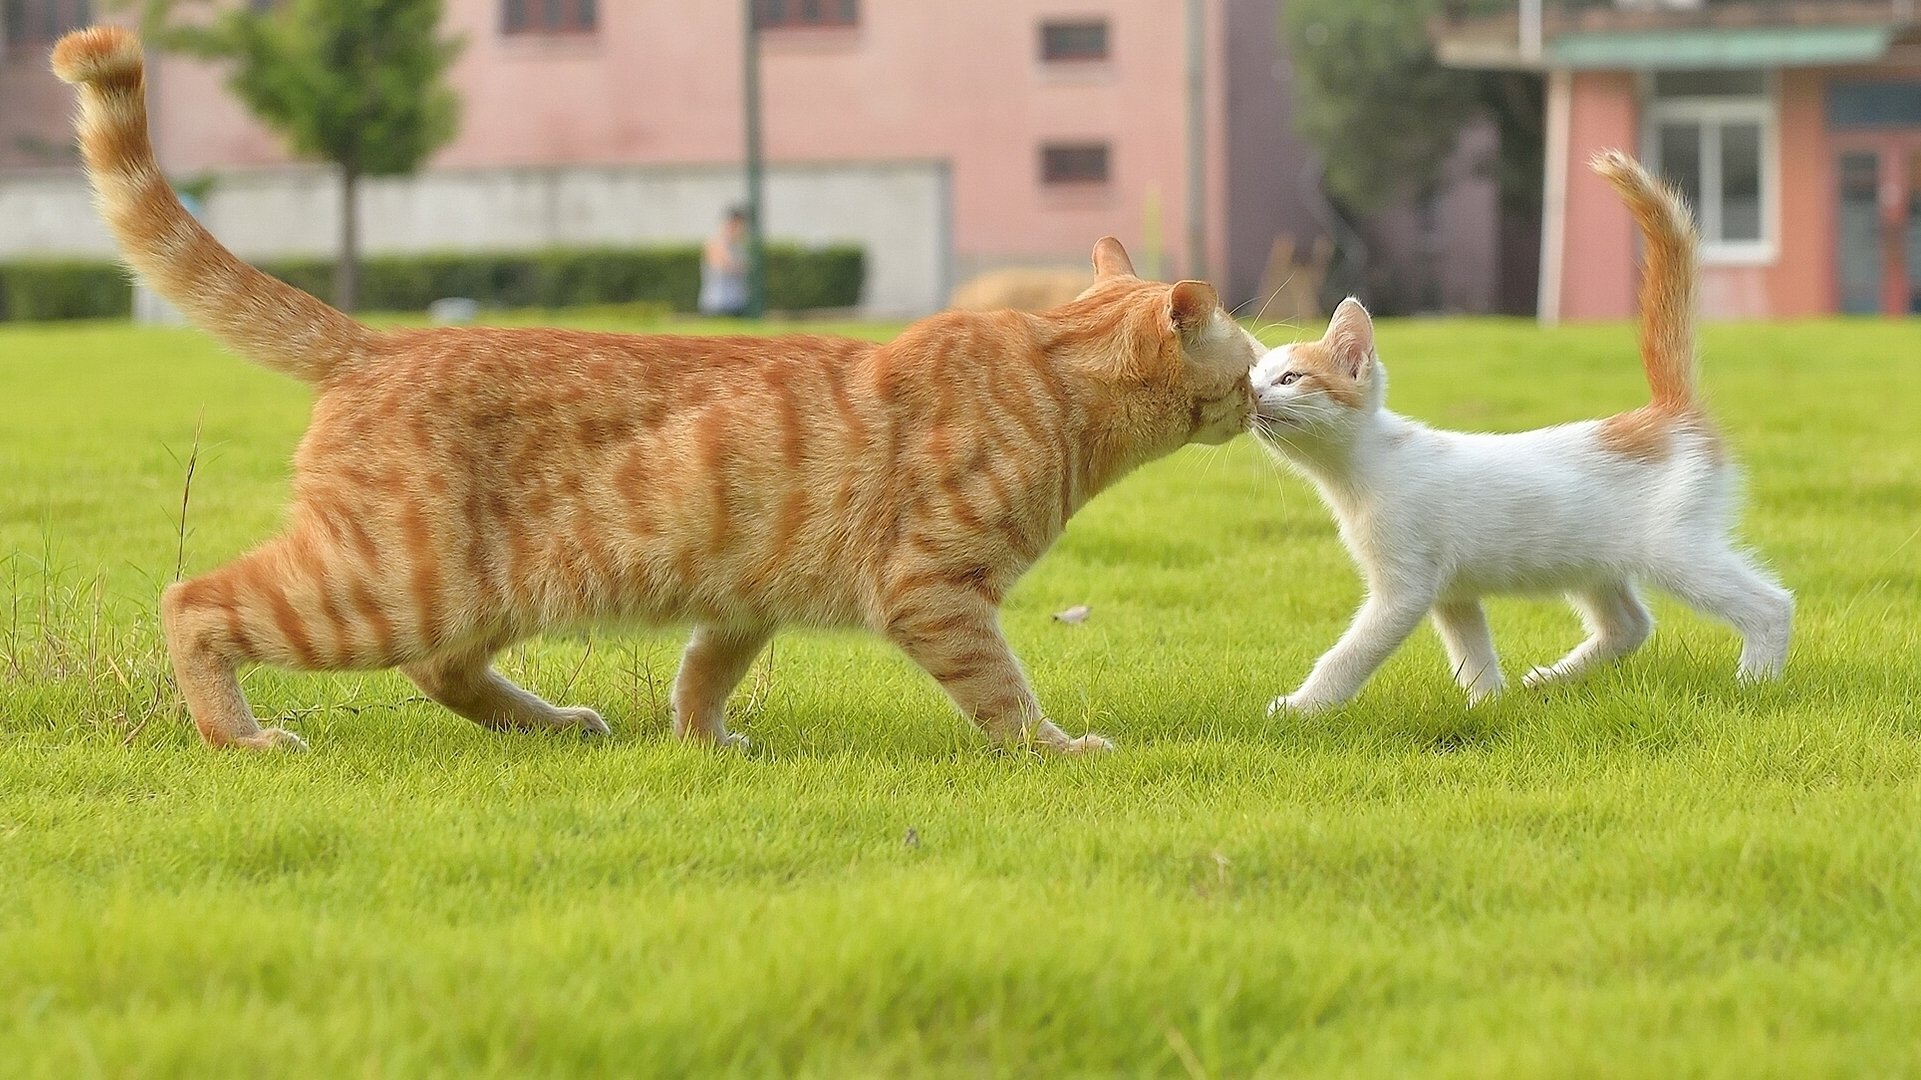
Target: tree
1383	112
357	83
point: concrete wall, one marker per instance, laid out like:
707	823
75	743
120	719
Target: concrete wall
1444	259
1272	175
657	86
898	213
915	81
1598	253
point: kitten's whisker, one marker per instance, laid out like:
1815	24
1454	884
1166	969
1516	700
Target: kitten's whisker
1264	303
1271	297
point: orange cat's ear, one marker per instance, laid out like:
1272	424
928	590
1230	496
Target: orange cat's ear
1110	259
1350	338
1191	305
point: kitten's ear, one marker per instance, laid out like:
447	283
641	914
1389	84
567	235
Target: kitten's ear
1191	305
1110	259
1350	338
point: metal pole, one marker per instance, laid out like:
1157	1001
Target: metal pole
1531	30
1197	140
750	111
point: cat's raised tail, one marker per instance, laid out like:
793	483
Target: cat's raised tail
1667	279
258	316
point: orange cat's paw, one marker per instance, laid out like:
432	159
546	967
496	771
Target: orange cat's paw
586	721
272	738
1089	743
1051	739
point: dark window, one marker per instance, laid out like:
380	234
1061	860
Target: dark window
1074	163
776	14
1074	41
36	23
1874	104
548	16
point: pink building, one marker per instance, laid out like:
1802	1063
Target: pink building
1057	121
1794	126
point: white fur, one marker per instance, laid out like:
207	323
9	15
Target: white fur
1438	519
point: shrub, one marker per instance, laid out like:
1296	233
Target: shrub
39	289
798	279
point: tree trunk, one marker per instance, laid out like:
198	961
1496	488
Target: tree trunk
347	268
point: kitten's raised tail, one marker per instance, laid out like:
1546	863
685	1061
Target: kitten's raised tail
258	316
1667	281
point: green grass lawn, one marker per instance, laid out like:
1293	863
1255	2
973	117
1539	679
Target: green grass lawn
1652	873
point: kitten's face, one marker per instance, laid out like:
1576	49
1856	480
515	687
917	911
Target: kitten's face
1316	388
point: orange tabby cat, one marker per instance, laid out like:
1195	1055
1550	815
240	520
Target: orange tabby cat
461	489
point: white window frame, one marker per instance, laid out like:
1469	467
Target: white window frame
1711	113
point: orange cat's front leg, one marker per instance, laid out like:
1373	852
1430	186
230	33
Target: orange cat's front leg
954	634
715	662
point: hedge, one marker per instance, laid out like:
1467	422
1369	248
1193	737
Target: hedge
63	289
798	279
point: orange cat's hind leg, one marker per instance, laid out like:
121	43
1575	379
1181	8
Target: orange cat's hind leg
213	624
465	681
716	660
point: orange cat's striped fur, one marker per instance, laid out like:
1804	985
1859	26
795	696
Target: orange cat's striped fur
460	489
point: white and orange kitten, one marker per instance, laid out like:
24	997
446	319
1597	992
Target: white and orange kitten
1597	510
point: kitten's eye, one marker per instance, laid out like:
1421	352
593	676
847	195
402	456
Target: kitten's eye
1290	378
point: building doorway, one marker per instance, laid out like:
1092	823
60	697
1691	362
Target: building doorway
1877	232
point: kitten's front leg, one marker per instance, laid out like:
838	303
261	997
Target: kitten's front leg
1384	621
954	634
1464	632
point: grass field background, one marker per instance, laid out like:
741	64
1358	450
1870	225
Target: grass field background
1652	873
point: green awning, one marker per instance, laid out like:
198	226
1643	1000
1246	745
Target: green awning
1702	48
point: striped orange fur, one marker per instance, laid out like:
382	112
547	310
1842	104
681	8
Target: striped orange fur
461	489
1667	301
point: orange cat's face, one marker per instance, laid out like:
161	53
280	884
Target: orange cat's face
1175	340
1216	359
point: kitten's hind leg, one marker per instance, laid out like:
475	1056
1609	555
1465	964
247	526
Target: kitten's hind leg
1464	632
716	660
1617	623
464	681
1729	587
1378	629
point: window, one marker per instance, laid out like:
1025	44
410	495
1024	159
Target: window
1712	133
778	14
1074	163
1082	40
1856	104
36	23
548	16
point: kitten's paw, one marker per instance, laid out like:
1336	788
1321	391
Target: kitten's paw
585	720
1482	696
1750	674
1541	676
273	738
734	741
1294	704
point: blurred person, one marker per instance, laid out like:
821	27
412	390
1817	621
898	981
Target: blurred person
723	268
